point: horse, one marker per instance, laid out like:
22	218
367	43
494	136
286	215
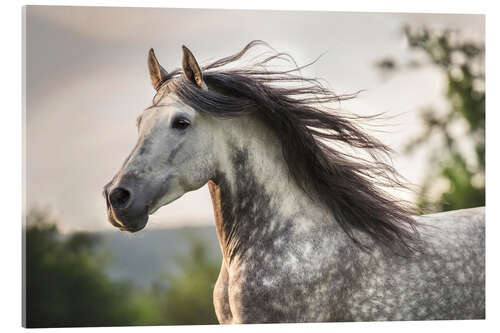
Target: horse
307	229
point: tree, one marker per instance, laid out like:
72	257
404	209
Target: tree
65	281
67	285
462	64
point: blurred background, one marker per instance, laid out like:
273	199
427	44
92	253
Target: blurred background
87	81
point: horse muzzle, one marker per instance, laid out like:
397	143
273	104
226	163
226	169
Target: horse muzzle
126	210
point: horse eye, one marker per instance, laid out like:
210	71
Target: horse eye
180	123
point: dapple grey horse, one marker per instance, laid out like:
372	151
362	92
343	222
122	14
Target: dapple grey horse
307	231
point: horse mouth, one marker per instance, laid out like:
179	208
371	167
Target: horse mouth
130	226
133	229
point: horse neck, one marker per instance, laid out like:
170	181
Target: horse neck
253	194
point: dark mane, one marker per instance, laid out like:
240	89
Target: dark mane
308	127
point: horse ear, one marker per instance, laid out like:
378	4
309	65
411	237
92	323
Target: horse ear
192	71
158	74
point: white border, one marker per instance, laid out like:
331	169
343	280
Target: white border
12	147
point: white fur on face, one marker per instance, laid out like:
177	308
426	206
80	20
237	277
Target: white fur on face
177	160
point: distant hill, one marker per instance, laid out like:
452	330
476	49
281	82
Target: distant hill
142	257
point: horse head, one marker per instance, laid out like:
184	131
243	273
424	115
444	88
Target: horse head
174	152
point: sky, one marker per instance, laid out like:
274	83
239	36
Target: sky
87	81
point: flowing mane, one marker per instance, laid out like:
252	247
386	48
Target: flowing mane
298	109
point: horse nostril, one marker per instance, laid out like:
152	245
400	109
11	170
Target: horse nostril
119	197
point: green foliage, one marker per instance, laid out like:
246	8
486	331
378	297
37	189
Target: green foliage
184	298
462	65
187	297
66	284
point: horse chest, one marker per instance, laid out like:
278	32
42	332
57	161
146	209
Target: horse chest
260	292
